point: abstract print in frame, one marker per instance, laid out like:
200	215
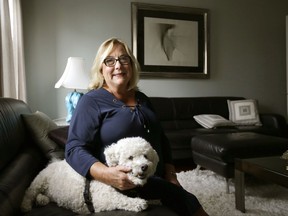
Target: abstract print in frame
170	41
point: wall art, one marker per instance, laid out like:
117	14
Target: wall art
170	41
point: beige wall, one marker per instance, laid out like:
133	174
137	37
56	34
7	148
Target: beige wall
247	48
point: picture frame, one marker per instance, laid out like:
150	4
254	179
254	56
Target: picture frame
170	41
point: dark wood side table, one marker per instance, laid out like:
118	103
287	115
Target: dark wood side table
272	169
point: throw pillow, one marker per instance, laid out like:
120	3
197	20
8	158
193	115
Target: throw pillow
244	112
39	124
59	135
212	121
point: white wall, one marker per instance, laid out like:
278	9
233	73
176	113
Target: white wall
247	48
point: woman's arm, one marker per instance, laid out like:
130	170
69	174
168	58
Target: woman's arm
82	130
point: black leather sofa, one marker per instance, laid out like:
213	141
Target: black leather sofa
21	159
215	149
176	116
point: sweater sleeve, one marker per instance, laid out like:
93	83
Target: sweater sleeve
82	130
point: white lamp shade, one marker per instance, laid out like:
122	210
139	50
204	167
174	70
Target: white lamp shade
75	76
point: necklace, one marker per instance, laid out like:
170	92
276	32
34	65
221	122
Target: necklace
128	97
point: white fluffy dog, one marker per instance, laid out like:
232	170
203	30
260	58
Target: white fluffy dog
59	183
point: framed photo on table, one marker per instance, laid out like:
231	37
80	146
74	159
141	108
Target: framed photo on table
170	41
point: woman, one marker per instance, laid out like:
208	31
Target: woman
114	108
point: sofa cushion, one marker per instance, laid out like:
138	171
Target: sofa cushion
39	124
244	112
59	135
212	121
163	107
165	112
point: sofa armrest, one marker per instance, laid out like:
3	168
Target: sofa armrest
17	176
275	121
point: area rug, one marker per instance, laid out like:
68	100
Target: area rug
261	198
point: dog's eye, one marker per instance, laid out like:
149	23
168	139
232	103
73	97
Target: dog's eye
145	156
130	158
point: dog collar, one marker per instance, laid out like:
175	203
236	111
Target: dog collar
87	196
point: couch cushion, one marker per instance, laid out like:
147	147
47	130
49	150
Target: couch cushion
39	124
212	121
59	135
163	108
165	111
244	112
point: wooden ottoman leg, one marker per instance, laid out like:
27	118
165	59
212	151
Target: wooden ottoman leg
239	190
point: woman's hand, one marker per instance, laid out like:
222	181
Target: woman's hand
117	177
114	176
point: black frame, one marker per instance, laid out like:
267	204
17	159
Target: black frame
195	18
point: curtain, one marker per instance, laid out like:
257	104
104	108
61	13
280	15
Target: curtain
12	70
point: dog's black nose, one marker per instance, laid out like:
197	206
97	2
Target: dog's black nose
144	167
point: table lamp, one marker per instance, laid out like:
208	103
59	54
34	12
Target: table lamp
74	77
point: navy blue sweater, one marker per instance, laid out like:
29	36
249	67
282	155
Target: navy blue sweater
100	120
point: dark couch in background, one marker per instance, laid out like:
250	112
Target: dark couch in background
213	148
176	116
216	148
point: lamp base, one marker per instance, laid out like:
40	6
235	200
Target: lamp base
71	101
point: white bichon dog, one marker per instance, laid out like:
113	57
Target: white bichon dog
59	183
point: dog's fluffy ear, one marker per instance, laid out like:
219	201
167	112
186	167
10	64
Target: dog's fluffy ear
112	155
155	157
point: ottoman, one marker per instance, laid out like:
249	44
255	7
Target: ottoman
217	152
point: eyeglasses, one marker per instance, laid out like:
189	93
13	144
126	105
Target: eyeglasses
110	61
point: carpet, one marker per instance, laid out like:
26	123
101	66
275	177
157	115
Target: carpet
261	198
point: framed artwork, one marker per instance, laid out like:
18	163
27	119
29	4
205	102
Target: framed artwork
170	41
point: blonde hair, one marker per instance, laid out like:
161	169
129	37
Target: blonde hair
97	79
